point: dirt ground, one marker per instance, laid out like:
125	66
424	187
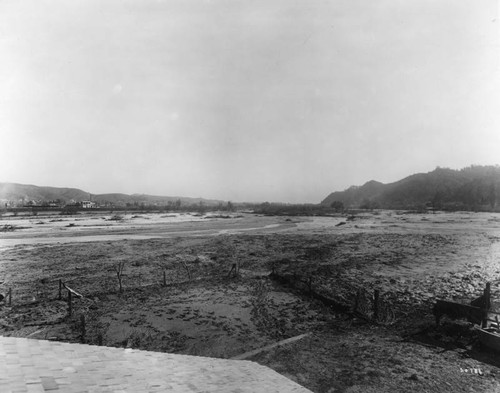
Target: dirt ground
180	295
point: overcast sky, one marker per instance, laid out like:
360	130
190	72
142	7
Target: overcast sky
272	100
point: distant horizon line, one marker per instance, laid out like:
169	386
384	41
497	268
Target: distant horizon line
158	196
243	202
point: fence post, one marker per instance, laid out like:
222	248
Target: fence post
356	300
69	303
82	326
486	304
233	268
119	273
376	296
60	289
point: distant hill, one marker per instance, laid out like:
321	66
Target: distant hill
472	188
26	192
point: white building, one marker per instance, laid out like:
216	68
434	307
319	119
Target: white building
88	204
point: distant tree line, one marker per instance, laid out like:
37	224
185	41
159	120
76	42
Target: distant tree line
277	209
171	206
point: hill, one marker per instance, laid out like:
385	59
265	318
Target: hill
28	192
472	188
19	194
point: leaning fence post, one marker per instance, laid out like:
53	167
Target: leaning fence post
376	296
69	303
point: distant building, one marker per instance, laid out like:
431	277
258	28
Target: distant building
88	205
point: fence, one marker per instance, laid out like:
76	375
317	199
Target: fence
374	308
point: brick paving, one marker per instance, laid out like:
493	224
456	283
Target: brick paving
37	366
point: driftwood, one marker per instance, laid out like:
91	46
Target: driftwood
73	291
268	347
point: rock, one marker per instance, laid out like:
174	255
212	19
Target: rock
413	377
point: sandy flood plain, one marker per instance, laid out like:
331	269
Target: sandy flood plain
411	258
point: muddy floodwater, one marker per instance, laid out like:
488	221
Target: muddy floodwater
201	285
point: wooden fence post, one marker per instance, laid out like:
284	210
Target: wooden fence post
119	273
487	295
69	303
187	269
82	327
376	296
486	304
356	300
60	289
233	268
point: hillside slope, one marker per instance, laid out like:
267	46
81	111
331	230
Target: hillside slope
26	192
471	188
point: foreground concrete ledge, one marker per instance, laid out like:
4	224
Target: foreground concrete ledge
28	365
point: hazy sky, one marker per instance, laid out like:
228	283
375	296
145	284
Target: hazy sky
272	100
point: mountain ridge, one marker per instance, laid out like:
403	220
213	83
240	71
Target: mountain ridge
471	188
